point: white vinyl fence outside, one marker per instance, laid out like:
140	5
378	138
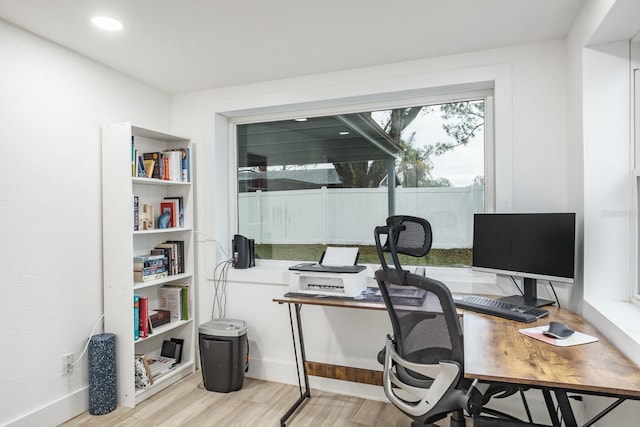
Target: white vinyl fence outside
344	216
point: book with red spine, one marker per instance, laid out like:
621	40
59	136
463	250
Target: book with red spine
172	207
144	317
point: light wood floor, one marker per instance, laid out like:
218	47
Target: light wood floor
257	403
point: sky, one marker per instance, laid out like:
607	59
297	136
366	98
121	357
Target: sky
460	165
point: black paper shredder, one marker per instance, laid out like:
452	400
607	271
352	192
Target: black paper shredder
224	354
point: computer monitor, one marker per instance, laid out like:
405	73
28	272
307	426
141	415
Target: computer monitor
528	245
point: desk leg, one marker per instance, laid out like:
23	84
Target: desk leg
555	421
306	394
565	408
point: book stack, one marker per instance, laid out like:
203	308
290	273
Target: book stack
149	267
160	366
159	318
175	298
173	250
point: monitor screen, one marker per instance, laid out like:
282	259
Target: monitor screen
529	245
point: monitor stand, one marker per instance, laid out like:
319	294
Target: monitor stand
530	297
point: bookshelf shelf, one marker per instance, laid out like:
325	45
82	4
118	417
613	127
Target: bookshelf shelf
162	230
168	279
123	148
163	329
177	373
155	181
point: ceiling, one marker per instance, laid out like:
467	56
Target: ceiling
185	45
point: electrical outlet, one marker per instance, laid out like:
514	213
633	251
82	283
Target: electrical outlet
67	363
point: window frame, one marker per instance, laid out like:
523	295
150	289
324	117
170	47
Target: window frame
634	75
380	102
635	176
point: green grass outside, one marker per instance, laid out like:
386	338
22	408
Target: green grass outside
368	255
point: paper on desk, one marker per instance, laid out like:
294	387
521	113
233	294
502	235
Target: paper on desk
339	257
576	339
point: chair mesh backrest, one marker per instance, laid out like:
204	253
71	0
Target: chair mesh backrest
424	318
413	237
406	235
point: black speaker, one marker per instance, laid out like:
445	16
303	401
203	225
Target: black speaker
243	252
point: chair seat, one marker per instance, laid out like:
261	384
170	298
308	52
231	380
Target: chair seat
427	356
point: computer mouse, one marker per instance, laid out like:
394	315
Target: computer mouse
558	330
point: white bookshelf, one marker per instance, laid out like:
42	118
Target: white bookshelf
121	243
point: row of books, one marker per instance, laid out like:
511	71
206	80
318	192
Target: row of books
166	259
149	368
168	165
173	305
175	298
171	214
143	320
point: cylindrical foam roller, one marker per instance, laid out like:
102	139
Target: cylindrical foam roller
103	390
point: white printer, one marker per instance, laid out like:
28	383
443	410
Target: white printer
329	276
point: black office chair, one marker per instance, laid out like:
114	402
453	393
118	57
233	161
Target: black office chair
424	359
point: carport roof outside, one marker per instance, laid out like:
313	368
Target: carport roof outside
316	140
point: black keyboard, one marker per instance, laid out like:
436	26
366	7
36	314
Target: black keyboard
494	307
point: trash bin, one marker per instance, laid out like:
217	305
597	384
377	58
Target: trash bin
224	354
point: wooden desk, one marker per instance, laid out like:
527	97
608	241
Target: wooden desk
495	351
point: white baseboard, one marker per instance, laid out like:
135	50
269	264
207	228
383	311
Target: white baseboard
56	412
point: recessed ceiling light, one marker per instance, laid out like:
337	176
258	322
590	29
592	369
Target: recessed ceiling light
107	23
344	132
301	119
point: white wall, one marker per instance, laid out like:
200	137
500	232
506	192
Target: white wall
600	138
52	105
530	84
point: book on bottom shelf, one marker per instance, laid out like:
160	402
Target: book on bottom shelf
172	348
144	379
160	365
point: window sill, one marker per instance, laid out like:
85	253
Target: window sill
459	280
619	321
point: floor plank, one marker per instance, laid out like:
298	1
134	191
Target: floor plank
258	403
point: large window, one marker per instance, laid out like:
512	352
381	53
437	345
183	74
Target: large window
310	181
